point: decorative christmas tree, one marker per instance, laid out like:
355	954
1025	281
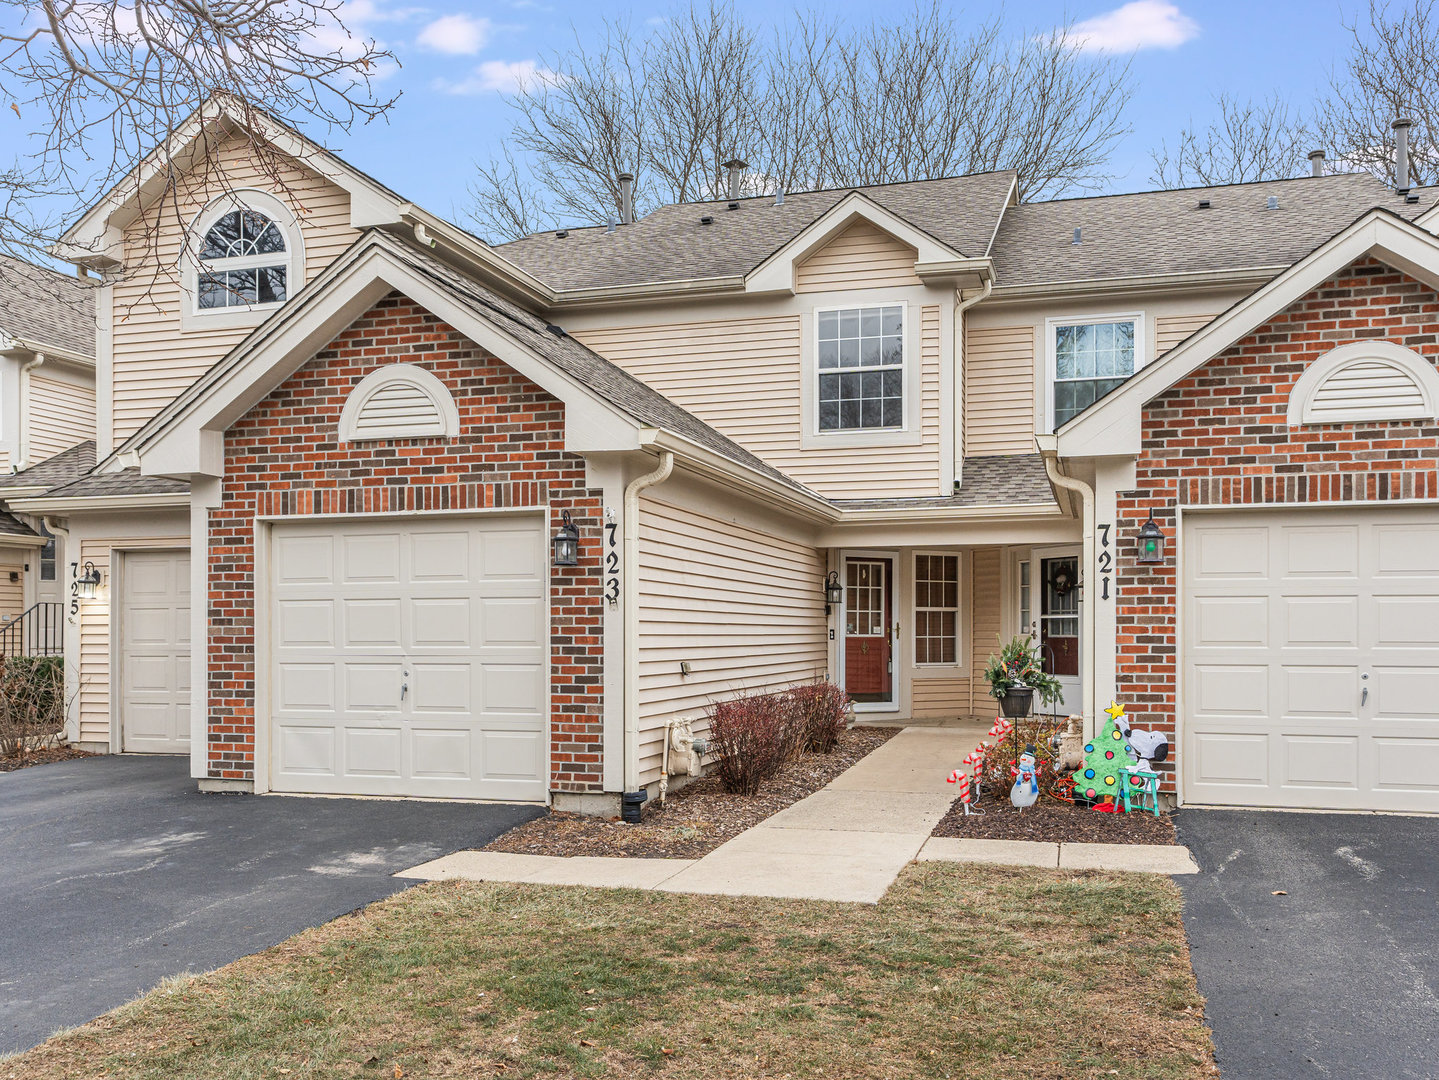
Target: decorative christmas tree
1105	759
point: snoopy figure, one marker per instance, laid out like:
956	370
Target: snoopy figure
1026	781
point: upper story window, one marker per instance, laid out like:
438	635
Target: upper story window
1090	358
860	364
242	262
244	257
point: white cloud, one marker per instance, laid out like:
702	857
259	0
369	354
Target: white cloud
457	35
498	76
1140	24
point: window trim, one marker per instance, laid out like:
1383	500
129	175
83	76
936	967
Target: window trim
1051	350
910	433
960	667
194	317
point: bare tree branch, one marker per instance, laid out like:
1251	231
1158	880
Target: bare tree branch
1250	141
818	105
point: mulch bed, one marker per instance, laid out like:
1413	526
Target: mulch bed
696	819
1053	822
48	756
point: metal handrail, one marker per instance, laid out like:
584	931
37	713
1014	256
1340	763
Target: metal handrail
38	631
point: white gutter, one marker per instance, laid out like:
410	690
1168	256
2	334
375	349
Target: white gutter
959	433
82	504
630	573
1087	624
23	442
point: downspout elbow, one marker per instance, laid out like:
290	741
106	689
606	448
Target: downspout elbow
631	800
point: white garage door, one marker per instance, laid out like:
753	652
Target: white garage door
408	658
1311	659
154	652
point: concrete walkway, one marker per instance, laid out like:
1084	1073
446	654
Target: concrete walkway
846	842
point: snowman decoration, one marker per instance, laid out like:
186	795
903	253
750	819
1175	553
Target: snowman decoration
1026	781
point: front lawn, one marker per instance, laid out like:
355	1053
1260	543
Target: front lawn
961	971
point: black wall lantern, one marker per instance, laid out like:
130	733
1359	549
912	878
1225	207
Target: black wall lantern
833	591
1151	542
88	583
567	542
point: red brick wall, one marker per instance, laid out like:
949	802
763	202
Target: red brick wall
283	458
1221	437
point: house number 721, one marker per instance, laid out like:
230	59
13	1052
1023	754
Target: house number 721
1105	560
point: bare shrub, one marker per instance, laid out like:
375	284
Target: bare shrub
751	738
32	703
819	712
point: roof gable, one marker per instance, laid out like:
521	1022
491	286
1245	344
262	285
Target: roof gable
1112	426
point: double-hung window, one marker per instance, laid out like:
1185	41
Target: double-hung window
1091	358
860	354
936	609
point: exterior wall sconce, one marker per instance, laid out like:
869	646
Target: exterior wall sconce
833	592
567	542
1151	542
87	584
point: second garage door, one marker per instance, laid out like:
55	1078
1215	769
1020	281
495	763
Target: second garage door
408	658
1311	659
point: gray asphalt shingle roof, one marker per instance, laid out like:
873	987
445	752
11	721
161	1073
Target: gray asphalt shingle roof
10	525
125	482
671	244
1165	232
47	308
62	468
1001	480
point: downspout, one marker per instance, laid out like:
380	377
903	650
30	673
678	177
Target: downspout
633	798
960	435
22	415
1087	624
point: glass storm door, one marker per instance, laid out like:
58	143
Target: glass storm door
868	662
1059	594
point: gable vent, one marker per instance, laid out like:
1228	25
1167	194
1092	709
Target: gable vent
1365	382
1367	386
400	401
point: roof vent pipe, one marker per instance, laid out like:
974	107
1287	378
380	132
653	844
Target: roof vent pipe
1401	153
735	167
1078	236
779	197
627	198
1316	163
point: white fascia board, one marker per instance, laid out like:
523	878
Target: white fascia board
776	274
178	448
11	540
1113	426
72	505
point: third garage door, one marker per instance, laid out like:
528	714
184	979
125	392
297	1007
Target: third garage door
409	658
1311	658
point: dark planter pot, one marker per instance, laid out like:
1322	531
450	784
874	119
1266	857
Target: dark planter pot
1016	702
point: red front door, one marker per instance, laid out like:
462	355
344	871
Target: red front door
867	604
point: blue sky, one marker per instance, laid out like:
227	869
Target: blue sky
455	55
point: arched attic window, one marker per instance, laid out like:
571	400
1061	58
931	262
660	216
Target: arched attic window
244	256
399	401
1366	381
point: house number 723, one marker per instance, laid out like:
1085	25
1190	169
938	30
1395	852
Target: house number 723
612	563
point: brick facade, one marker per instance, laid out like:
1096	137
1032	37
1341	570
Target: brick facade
1221	437
283	459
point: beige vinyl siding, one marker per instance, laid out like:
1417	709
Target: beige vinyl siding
742	376
94	631
12	593
62	414
1170	330
946	697
999	391
863	256
154	359
743	608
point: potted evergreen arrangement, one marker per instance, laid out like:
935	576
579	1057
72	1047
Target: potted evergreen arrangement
1016	675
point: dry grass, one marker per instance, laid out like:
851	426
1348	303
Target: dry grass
962	971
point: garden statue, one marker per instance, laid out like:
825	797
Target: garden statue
1148	746
1069	746
1026	780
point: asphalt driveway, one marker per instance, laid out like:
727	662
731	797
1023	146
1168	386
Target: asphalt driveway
1338	977
115	872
